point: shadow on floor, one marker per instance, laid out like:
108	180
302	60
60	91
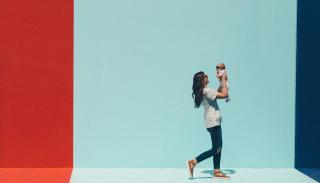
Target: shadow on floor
225	171
193	178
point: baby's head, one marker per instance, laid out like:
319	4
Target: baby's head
220	66
220	69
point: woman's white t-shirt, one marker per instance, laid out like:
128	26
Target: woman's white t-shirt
212	115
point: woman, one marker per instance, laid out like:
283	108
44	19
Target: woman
208	97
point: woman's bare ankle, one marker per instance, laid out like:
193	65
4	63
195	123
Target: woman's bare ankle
194	161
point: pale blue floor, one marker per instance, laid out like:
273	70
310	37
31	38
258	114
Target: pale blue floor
174	175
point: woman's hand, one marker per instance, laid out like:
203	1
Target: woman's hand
224	76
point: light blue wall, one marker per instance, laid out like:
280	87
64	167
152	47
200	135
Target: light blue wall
134	63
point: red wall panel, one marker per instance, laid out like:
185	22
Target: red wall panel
36	83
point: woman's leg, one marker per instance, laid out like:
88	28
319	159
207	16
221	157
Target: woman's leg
217	147
217	154
216	140
215	151
205	155
202	156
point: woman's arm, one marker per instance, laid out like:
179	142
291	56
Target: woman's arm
219	89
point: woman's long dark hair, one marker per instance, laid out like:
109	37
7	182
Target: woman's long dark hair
197	88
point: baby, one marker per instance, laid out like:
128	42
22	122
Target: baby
221	68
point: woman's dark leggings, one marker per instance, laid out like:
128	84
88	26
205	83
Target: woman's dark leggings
215	151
